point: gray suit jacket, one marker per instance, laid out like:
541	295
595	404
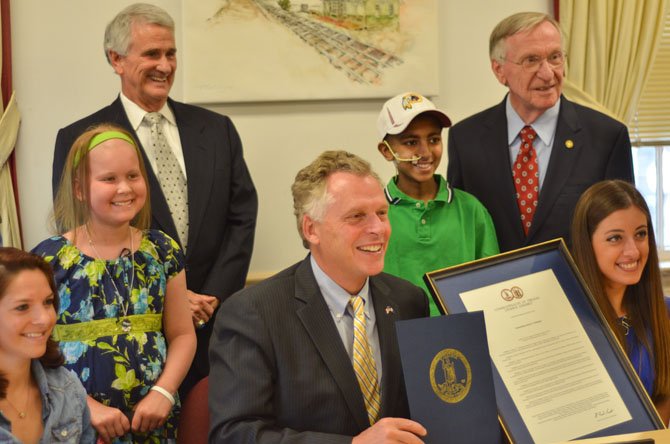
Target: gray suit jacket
280	373
479	163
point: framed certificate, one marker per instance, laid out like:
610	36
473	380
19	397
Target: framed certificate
559	372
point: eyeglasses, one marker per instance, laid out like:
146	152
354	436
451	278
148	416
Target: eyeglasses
532	63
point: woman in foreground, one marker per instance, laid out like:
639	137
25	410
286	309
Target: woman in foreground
40	401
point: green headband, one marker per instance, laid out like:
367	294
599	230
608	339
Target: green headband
103	137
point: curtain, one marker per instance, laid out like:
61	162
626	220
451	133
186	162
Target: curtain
610	46
9	220
10	233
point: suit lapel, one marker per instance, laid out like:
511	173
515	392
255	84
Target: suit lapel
499	170
386	313
119	116
561	162
200	164
318	322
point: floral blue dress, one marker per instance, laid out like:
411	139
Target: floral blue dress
119	369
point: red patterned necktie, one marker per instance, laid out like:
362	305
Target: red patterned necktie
526	177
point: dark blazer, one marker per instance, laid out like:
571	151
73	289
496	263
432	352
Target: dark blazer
222	202
280	371
479	163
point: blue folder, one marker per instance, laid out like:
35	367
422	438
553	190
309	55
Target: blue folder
448	378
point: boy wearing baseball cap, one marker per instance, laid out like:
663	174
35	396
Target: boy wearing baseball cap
433	225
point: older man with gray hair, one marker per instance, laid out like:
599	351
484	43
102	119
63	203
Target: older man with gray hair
529	158
201	191
310	355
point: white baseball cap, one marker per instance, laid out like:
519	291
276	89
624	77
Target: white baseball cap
398	112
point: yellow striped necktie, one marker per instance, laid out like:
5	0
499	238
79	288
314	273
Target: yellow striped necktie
364	362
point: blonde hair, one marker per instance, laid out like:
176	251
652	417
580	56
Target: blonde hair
69	211
310	196
519	22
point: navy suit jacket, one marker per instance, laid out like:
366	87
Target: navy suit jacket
281	373
588	147
221	195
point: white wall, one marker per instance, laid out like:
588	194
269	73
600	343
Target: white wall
60	75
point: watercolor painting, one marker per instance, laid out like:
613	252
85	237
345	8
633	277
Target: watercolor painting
270	50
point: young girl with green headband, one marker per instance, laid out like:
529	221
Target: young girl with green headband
124	324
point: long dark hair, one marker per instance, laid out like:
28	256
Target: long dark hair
643	301
12	262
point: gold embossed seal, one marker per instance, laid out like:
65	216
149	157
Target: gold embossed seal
450	375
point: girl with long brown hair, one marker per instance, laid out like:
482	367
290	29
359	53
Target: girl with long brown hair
614	247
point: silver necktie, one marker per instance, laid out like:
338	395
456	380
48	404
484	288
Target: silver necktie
170	176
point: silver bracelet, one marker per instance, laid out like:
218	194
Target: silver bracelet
162	391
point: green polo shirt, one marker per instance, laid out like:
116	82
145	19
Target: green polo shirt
451	229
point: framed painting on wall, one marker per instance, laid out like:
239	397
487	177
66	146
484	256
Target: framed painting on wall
272	50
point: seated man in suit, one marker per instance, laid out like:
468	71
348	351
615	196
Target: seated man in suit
201	191
529	158
310	355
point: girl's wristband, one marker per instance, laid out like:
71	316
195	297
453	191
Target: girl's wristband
162	391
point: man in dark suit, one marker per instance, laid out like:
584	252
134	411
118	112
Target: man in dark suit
222	201
574	146
284	351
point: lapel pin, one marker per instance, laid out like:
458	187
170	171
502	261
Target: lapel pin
569	144
389	309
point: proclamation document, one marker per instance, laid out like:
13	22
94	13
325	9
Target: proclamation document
547	362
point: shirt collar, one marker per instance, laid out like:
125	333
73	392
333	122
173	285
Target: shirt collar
136	114
394	195
544	126
337	298
41	379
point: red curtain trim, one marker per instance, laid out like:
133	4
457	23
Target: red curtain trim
6	87
6	78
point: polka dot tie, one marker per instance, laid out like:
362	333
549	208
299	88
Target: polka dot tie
526	177
170	176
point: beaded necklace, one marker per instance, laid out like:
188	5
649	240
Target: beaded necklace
126	325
